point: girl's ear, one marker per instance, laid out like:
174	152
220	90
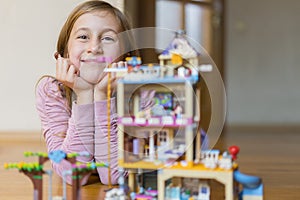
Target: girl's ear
56	54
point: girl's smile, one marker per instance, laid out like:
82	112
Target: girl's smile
99	59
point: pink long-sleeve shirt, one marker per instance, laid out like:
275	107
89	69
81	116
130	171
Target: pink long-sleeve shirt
77	129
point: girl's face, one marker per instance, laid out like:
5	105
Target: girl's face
93	36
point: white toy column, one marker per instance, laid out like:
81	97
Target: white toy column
120	110
151	147
188	113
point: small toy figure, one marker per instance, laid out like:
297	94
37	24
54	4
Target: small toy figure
178	111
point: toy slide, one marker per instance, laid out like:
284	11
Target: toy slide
247	181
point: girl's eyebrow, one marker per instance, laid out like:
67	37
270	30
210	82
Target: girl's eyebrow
81	29
102	31
109	30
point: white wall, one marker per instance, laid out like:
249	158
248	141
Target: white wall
262	59
263	62
28	32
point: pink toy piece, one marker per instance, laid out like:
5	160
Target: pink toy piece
143	196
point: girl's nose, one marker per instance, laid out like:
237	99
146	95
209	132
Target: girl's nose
95	47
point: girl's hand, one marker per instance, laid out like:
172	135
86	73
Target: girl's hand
69	76
100	90
65	72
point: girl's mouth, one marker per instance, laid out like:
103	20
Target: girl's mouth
99	59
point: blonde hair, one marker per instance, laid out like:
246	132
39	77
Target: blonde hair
87	7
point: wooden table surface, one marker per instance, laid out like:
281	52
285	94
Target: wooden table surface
272	155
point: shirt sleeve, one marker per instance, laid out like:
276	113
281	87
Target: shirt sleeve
66	129
101	140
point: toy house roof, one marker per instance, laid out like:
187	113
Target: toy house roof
180	46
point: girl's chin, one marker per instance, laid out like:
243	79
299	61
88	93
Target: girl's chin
91	72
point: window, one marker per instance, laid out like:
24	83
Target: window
192	16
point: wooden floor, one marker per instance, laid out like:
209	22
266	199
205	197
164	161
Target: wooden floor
273	155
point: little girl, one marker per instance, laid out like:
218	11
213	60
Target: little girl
73	106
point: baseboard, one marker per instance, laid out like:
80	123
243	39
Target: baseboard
21	135
292	128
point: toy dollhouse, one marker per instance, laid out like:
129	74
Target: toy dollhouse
159	114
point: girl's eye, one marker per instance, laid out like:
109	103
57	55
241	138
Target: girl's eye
82	37
107	39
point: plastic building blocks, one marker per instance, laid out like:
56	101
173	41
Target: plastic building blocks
35	171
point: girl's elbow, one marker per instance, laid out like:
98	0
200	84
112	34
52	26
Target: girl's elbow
113	178
105	180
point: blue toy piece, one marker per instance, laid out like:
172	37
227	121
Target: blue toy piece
57	156
134	61
252	186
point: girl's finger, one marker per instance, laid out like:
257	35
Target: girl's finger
113	74
71	74
114	82
65	66
59	62
114	86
